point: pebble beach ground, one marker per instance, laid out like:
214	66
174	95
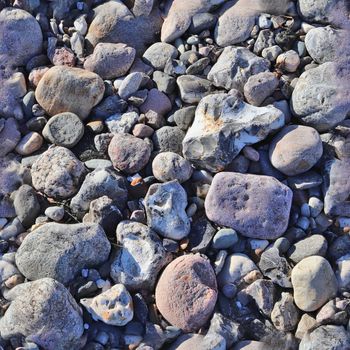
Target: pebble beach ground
174	175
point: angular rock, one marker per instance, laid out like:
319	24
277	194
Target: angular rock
9	136
165	206
256	206
20	36
186	292
140	258
110	60
285	315
124	122
114	306
54	319
295	149
314	283
98	183
66	89
168	139
128	153
158	54
64	129
193	88
57	173
223	126
234	67
319	97
60	251
130	85
200	235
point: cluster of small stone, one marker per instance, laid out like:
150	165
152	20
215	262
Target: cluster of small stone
174	175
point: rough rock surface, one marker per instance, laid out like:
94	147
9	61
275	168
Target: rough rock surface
183	278
9	136
223	125
238	201
60	251
140	258
53	321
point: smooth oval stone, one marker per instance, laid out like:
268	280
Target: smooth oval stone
225	238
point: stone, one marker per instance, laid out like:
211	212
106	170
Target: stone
156	101
98	183
236	267
234	67
201	22
200	235
285	315
288	61
168	166
165	206
259	87
79	91
343	272
255	206
295	149
113	307
305	325
142	7
140	258
186	292
55	213
336	187
23	32
27	205
165	82
264	40
184	117
234	25
313	245
326	337
209	142
110	60
225	238
130	84
57	173
198	341
54	319
29	144
36	74
193	88
142	131
314	283
168	139
319	99
109	106
9	136
322	44
63	57
64	129
60	251
7	270
305	181
121	122
275	267
158	54
128	153
271	53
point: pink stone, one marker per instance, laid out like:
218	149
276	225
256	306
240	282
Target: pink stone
156	101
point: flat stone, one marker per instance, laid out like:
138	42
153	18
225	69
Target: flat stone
64	129
234	67
130	85
319	98
57	173
158	54
314	283
295	149
79	91
256	206
223	126
225	238
183	279
98	183
54	320
128	153
193	88
140	258
165	206
114	306
9	136
51	251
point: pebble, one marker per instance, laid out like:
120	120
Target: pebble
158	54
130	84
113	307
55	213
285	315
80	90
314	283
237	201
165	82
168	166
9	136
121	122
168	139
225	238
29	144
271	53
62	327
57	173
295	149
64	129
165	206
128	153
110	60
185	277
193	88
156	101
140	258
288	61
142	131
50	251
323	12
